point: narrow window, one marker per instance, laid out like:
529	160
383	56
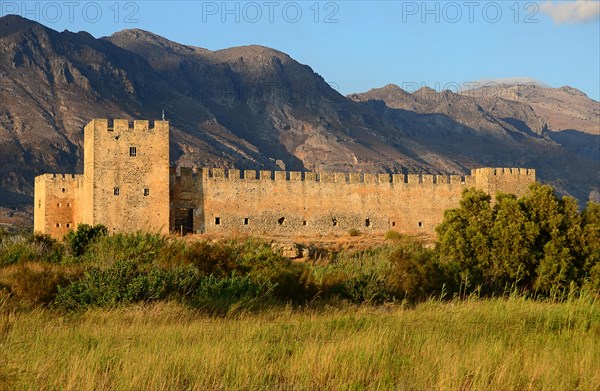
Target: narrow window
116	191
68	205
420	224
132	151
57	225
393	223
58	205
64	190
217	221
246	221
146	192
281	220
303	222
367	223
68	225
39	203
334	222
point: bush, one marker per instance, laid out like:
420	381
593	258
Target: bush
415	273
38	283
22	249
80	240
359	277
126	283
143	248
292	281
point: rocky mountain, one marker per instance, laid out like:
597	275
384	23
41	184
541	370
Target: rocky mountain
564	108
249	107
572	118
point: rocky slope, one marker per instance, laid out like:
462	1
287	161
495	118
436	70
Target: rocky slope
249	107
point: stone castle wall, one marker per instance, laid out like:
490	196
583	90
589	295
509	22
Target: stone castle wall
57	203
324	203
127	185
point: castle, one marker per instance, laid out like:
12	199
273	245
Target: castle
128	185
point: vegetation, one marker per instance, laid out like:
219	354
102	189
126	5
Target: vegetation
495	344
506	299
538	243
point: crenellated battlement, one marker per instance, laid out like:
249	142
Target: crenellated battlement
59	177
124	125
487	171
320	177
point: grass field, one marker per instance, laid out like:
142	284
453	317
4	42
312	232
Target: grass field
498	344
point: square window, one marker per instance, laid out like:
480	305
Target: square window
116	191
132	151
146	192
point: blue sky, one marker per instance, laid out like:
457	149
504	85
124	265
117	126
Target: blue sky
359	45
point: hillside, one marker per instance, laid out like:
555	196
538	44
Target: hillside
250	107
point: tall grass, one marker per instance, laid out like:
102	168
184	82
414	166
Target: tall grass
501	344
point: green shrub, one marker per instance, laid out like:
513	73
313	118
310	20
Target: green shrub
292	281
21	249
143	248
18	249
415	273
80	240
367	288
217	259
126	283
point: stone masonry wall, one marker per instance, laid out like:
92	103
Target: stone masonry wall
127	185
295	203
57	209
126	174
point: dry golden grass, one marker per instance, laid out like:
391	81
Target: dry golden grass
507	344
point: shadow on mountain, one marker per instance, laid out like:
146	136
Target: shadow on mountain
584	144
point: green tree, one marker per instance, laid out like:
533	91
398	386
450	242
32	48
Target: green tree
464	237
590	244
513	235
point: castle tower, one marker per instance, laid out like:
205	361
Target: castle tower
505	180
126	175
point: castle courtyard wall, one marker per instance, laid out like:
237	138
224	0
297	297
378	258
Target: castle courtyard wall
295	203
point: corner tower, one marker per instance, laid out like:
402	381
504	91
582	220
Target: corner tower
126	175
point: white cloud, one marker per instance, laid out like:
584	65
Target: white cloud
570	12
